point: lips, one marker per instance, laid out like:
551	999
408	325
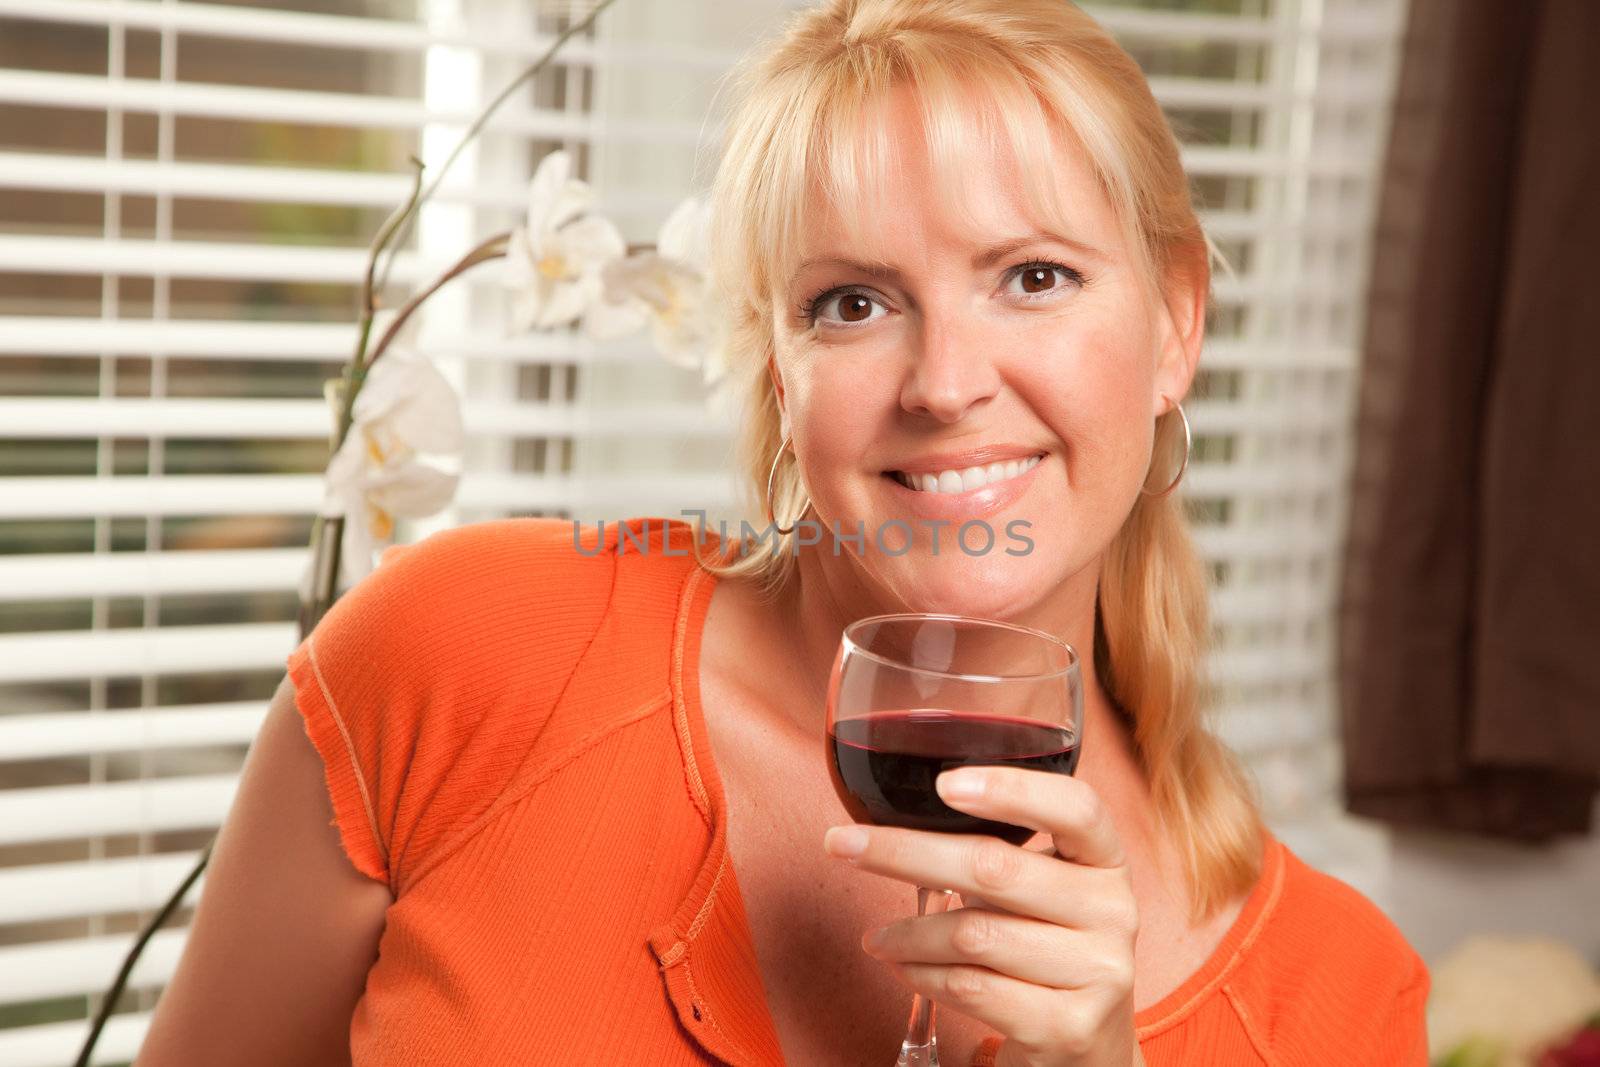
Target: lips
991	499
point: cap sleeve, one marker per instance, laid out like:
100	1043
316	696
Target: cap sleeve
427	684
1403	1036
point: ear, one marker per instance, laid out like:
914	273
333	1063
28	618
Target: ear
1181	329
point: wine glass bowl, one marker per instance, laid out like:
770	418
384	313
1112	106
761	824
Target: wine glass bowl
885	764
913	695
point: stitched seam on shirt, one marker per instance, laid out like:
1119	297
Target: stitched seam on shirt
1226	970
605	613
711	898
1257	1042
505	800
1416	989
509	800
349	748
1419	985
680	700
705	1006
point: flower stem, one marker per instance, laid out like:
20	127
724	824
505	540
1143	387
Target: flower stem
356	371
493	248
327	534
386	234
483	118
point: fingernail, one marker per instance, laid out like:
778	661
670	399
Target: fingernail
845	840
960	785
875	939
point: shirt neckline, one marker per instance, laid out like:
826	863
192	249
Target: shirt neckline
715	893
706	951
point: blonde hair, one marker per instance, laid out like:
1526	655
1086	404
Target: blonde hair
802	117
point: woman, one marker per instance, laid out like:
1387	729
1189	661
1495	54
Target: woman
578	778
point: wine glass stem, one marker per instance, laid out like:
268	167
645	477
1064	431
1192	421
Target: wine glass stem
921	1046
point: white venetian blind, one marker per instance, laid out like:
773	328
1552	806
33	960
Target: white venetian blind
1283	109
186	190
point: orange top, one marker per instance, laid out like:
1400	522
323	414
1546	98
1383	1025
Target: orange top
509	721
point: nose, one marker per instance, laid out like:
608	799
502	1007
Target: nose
952	368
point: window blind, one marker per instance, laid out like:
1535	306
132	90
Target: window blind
186	190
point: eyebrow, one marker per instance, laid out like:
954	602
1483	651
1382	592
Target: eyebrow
985	258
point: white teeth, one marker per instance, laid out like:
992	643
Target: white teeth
968	479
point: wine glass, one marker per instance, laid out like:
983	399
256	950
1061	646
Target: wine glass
912	695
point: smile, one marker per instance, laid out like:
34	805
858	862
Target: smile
950	482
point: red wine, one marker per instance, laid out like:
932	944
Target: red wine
884	764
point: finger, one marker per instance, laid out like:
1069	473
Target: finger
973	900
1066	808
1030	950
1008	877
1027	1014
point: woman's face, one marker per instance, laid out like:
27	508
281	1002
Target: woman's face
992	345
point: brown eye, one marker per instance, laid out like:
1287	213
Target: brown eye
1037	279
1043	278
853	307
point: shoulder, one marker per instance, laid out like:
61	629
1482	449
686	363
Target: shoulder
499	560
468	664
1328	961
1321	912
521	601
504	558
484	607
633	657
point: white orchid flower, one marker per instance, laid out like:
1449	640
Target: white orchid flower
554	260
404	408
667	288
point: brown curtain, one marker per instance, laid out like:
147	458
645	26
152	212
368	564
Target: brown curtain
1469	638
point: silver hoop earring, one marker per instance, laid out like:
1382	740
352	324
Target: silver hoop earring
1188	445
771	475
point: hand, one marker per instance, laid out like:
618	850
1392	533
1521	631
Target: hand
1046	956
